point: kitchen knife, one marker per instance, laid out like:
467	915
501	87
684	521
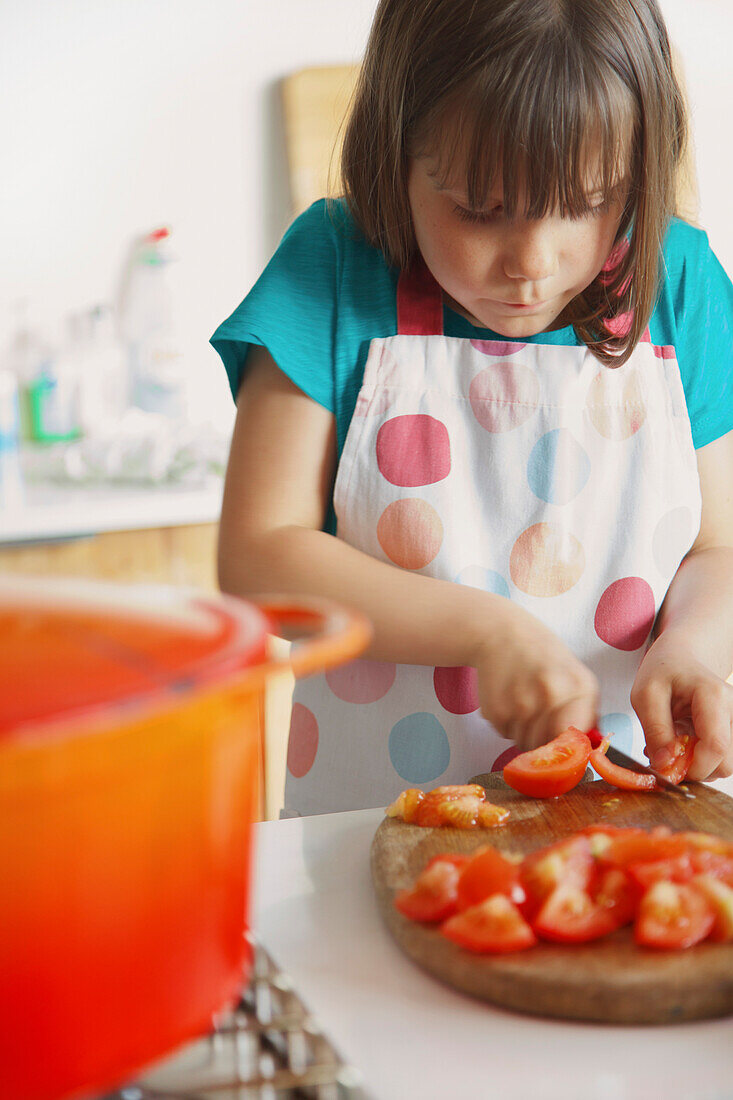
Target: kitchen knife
616	756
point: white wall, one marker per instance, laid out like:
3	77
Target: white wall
118	115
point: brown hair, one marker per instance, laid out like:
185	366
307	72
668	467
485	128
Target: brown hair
532	89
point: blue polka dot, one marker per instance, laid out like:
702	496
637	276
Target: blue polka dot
622	728
558	467
486	579
418	748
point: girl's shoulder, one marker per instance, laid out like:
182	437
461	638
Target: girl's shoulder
685	245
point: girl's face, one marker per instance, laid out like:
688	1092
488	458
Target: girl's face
513	277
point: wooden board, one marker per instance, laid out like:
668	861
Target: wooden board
611	980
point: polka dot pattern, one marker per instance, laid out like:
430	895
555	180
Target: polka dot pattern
504	757
546	560
615	405
558	467
410	532
457	689
303	741
488	580
419	748
500	348
503	396
413	450
672	538
625	613
362	681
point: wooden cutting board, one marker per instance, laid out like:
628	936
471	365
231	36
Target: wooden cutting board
609	981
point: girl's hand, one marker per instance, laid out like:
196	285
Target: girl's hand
673	690
531	687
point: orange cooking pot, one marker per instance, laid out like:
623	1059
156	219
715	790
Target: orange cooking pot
130	755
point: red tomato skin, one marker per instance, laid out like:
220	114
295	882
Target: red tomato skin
476	929
458	859
570	915
433	897
568	862
552	769
687	922
684	750
486	874
623	778
676	869
638	846
712	863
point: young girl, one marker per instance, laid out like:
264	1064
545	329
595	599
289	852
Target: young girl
487	398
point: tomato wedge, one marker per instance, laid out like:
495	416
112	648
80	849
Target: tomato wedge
675	869
683	752
406	805
551	769
488	873
673	915
637	846
720	899
434	895
617	776
567	863
494	927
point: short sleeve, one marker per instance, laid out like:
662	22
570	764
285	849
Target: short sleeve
703	318
291	310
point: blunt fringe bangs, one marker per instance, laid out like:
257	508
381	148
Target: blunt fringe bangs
558	100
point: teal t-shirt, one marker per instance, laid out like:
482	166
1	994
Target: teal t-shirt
326	294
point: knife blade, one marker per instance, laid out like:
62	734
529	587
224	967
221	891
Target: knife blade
616	756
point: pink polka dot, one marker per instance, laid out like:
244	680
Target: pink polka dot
457	689
413	450
503	396
665	351
361	681
496	347
625	613
546	560
503	759
303	741
410	532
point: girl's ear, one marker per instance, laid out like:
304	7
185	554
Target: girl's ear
687	198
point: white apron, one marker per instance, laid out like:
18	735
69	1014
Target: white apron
527	470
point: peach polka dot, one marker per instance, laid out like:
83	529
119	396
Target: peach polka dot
457	689
615	404
503	396
413	450
625	613
361	681
303	741
546	560
496	347
410	532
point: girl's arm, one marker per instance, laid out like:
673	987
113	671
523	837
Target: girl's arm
278	485
682	677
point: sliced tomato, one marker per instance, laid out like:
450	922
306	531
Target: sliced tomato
708	842
683	751
488	873
490	816
676	869
638	846
406	804
719	896
568	863
600	837
458	859
551	769
570	915
434	895
617	776
706	862
673	915
494	927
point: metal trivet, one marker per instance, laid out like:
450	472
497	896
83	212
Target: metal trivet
269	1047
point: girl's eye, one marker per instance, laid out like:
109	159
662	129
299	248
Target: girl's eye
477	216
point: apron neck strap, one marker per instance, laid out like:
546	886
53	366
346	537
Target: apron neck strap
419	303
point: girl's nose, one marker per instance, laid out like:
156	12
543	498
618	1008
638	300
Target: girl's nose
530	252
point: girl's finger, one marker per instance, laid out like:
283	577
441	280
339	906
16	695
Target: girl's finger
712	725
653	706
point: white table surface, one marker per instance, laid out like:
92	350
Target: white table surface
414	1039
